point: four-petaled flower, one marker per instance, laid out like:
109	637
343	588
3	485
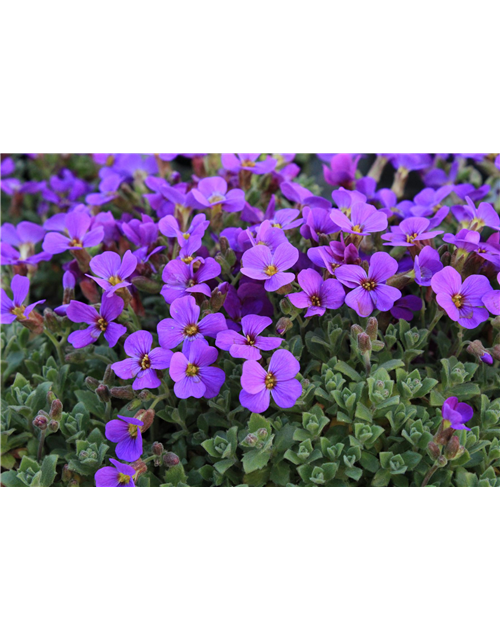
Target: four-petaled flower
192	373
260	264
455	413
369	290
181	279
212	192
113	271
410	232
127	434
279	381
235	162
15	309
365	219
122	475
143	361
318	295
249	344
76	225
99	321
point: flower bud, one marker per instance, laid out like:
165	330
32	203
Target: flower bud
433	450
146	284
364	343
146	416
224	244
217	299
284	290
134	404
476	348
170	459
286	306
441	461
283	325
451	449
66	473
41	421
251	440
146	394
356	330
262	433
82	258
124	393
78	356
443	436
90	291
140	466
109	375
103	393
91	383
51	320
53	426
34	322
372	328
157	448
56	409
496	351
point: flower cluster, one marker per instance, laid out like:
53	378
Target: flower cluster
194	279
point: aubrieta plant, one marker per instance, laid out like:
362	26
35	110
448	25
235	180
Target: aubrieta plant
250	320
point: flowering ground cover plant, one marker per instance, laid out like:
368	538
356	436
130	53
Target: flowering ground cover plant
250	320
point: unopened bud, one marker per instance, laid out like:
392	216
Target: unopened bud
34	322
451	449
53	426
283	325
364	343
476	348
286	306
78	356
157	448
140	466
109	375
90	291
372	328
146	395
124	393
91	383
56	409
51	320
356	330
262	433
434	450
224	244
103	392
134	404
441	461
170	459
217	299
251	440
146	284
495	351
284	290
443	436
146	416
66	473
82	258
41	421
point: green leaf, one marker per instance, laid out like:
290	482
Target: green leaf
255	459
48	470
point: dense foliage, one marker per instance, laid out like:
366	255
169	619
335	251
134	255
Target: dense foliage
248	319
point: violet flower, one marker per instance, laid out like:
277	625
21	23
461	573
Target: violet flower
121	476
15	309
492	300
185	324
99	321
342	170
265	234
405	307
234	163
318	295
192	373
364	220
78	236
317	222
295	192
369	291
181	279
112	270
193	234
251	343
127	434
456	413
18	243
426	264
475	219
410	232
260	264
212	192
461	301
279	381
333	255
143	361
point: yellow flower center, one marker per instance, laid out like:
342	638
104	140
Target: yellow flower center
458	300
192	370
248	163
123	478
271	270
270	381
76	243
186	236
114	280
18	311
277	225
187	259
145	362
250	340
190	330
369	285
357	228
132	429
215	198
102	324
411	238
315	301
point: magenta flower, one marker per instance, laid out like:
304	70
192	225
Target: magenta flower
475	219
492	300
121	476
234	163
76	225
126	432
143	361
185	324
295	192
260	264
99	321
455	413
365	219
15	309
194	234
265	234
181	279
212	192
113	270
251	343
318	295
410	232
192	373
342	170
461	301
369	291
426	264
278	381
331	256
317	222
18	243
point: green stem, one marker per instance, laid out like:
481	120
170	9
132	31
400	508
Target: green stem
459	344
40	445
437	317
57	345
429	475
162	396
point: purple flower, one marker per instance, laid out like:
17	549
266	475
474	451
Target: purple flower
184	324
120	167
126	432
475	219
99	321
14	309
181	279
369	291
24	237
78	236
120	476
426	264
428	201
342	170
318	295
194	234
234	163
492	300
260	264
461	301
365	219
295	192
143	361
317	222
250	344
345	199
410	161
113	270
192	373
405	307
142	233
465	239
278	381
333	255
266	235
211	192
455	413
410	232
